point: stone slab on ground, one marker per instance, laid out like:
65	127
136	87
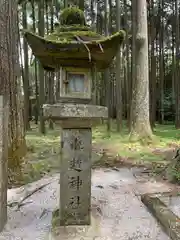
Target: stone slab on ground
146	184
173	203
121	215
167	218
152	187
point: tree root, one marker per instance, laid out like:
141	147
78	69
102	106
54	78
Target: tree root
21	203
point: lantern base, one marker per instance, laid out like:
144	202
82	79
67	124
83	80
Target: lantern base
74	115
74	232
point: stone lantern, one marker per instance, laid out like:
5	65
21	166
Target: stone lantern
78	53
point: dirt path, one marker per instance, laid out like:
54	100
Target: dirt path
115	198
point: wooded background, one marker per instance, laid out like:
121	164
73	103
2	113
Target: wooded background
28	86
163	35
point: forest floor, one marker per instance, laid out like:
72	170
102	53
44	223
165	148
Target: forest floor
117	212
109	150
118	182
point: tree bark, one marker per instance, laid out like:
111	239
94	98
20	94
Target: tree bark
153	60
140	124
3	159
177	72
161	66
41	70
133	56
81	4
26	70
127	66
119	105
3	104
36	105
10	86
50	77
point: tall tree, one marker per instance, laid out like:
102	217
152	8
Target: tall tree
81	4
26	69
177	74
161	64
140	124
118	73
10	86
127	77
106	72
133	60
3	92
65	3
36	105
152	84
41	71
16	135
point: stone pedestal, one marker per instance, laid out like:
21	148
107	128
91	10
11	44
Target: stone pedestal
75	179
3	164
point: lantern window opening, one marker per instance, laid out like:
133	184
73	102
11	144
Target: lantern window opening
76	83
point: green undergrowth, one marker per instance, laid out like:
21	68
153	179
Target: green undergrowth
166	140
109	149
43	154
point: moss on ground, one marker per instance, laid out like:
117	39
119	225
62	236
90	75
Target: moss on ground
55	219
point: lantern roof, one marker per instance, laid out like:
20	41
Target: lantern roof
74	44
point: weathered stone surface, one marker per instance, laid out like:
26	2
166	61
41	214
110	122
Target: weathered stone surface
75	178
77	122
70	110
3	165
164	215
173	202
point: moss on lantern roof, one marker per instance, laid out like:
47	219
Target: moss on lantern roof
72	16
86	36
73	25
73	43
69	36
69	28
